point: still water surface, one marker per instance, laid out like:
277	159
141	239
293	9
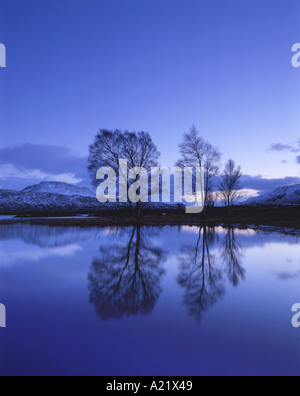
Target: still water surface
148	301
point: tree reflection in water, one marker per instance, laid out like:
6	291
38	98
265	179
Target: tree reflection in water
126	279
232	256
199	276
202	276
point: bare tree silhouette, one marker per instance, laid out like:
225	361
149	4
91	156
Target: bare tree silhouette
126	279
230	187
137	148
195	152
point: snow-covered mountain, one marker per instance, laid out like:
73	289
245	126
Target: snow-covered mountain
289	195
21	202
54	197
59	188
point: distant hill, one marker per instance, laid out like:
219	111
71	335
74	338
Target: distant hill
7	191
289	195
56	197
59	188
24	202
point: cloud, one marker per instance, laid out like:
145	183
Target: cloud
253	186
261	184
279	147
27	163
296	149
248	193
293	148
9	258
51	159
286	276
8	171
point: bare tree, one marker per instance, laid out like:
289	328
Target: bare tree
211	170
212	198
230	184
110	147
197	152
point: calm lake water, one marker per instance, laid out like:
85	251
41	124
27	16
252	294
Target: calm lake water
148	301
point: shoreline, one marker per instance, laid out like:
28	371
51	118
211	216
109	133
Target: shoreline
263	218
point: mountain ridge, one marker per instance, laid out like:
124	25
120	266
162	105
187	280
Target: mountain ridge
287	195
57	197
59	188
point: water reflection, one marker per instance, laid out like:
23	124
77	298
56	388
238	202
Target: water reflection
199	276
125	279
232	255
201	273
47	236
45	272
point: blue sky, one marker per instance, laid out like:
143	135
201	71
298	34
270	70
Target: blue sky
75	66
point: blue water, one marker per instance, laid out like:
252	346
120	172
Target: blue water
148	301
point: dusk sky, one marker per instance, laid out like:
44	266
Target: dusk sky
75	66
